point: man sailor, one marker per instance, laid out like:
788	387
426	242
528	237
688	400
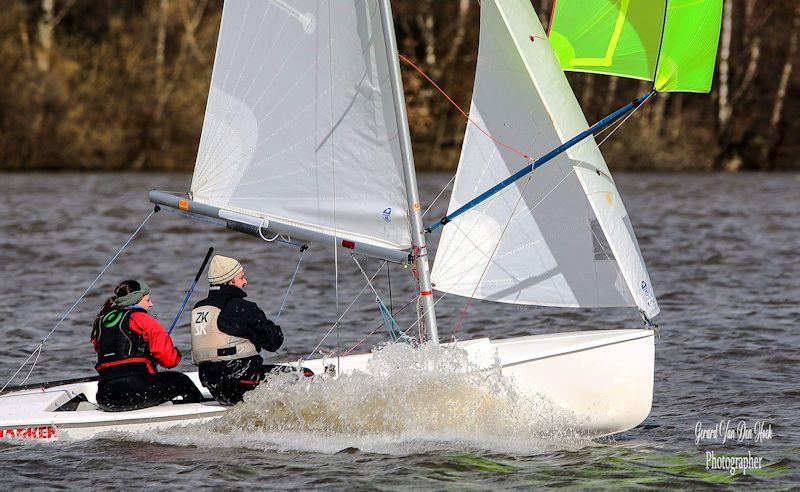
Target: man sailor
228	332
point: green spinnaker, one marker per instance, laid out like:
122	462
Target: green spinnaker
670	42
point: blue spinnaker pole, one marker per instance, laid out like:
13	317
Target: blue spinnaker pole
542	160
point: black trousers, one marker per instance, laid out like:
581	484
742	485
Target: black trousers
229	381
145	390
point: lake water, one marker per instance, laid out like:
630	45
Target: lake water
722	252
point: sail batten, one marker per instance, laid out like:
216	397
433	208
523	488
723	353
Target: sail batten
300	123
557	238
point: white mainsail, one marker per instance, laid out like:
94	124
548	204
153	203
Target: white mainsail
561	237
300	126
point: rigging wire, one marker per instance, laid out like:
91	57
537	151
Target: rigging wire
439	195
388	319
37	351
339	319
365	275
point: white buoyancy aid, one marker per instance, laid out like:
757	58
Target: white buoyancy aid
209	344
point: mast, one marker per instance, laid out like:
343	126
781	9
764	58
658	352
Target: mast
412	193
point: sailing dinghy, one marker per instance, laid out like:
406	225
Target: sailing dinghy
306	140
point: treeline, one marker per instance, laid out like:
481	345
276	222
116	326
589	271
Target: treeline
122	85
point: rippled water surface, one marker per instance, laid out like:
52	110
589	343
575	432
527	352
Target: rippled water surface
722	253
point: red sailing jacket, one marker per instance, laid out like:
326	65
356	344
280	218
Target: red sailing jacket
159	343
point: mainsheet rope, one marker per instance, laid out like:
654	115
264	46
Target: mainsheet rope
38	350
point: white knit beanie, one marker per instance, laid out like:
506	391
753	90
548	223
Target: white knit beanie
222	269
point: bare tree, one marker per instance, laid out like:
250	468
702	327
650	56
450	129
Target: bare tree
776	131
724	108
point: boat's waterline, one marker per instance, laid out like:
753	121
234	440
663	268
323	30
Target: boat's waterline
559	387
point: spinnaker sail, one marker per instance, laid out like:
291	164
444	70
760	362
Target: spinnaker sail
300	125
560	237
670	42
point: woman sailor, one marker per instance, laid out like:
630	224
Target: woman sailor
129	344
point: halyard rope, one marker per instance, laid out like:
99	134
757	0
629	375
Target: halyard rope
38	350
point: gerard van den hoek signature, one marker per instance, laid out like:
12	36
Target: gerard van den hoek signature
733	431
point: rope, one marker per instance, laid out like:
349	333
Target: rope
415	323
303	249
395	333
260	227
361	342
39	347
464	113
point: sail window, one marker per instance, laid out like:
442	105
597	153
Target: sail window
602	250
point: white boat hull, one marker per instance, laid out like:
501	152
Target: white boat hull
604	378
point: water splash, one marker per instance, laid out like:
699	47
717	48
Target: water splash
407	400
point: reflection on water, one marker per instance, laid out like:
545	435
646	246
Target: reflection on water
722	255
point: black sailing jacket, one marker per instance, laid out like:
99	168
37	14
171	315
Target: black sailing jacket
242	318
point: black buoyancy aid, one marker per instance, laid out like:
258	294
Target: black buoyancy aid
117	344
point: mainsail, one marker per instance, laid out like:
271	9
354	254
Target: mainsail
561	237
300	126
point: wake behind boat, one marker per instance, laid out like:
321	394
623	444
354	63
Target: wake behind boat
306	141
